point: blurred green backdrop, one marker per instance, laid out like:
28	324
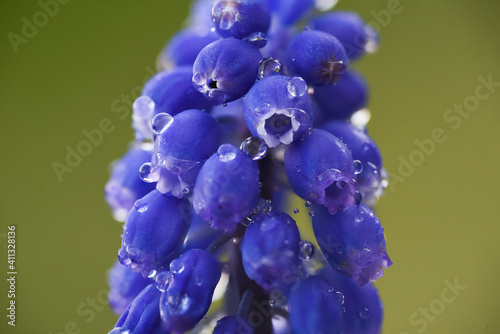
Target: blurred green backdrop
440	213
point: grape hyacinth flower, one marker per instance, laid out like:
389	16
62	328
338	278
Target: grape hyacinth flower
249	112
182	144
278	109
352	241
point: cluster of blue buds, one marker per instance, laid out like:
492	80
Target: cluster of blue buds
254	104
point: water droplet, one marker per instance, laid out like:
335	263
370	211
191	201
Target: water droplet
145	173
269	66
263	109
257	39
227	152
185	190
308	204
325	5
358	167
152	274
161	122
364	313
176	266
225	14
143	106
341	184
311	213
254	147
162	280
340	297
296	86
296	210
359	216
306	250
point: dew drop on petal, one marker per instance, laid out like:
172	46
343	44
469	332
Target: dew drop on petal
296	210
257	39
176	266
254	147
311	213
227	152
145	173
308	204
296	86
340	297
306	250
162	280
364	313
263	109
359	216
152	274
269	66
358	167
161	122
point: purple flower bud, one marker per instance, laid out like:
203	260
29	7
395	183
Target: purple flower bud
363	309
222	79
317	57
188	293
352	241
315	308
367	159
278	109
143	315
227	188
320	169
270	249
182	144
155	227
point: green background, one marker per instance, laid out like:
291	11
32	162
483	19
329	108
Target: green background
441	223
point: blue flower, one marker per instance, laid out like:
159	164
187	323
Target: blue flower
352	241
270	249
250	107
142	316
315	308
155	227
227	188
182	144
189	291
278	109
320	169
